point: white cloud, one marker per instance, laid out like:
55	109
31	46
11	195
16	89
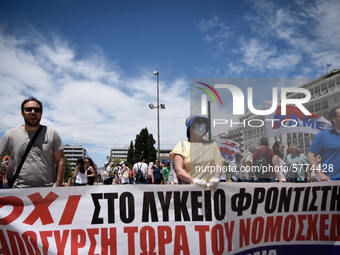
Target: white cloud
310	31
263	56
216	32
86	99
289	37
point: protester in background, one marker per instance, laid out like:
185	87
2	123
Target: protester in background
149	173
90	168
327	144
166	170
278	163
2	176
80	174
106	177
297	166
116	177
131	180
44	165
143	167
4	165
108	174
156	173
8	165
288	152
247	162
264	174
313	175
224	176
172	179
195	158
235	168
124	174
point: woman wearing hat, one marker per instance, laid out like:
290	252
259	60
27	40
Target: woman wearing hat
196	160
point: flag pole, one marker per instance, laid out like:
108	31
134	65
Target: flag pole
209	117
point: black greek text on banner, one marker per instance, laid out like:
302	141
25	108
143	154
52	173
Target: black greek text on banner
238	218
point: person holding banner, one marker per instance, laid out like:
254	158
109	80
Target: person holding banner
279	164
262	161
247	162
297	165
237	175
44	165
327	144
196	160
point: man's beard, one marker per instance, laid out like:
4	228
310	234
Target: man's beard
32	124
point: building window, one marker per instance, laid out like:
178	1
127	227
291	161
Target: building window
324	88
324	105
317	91
311	108
317	107
307	142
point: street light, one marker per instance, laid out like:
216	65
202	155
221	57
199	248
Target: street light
162	106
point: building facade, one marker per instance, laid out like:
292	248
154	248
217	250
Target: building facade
325	94
73	152
120	153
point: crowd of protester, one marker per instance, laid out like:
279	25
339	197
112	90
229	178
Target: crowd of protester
282	164
151	173
263	164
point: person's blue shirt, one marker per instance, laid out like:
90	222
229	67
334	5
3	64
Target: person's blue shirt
327	144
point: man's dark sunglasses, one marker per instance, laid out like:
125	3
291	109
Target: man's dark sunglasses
36	109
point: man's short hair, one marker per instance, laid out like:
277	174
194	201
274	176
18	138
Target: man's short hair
31	99
264	141
252	147
295	146
332	114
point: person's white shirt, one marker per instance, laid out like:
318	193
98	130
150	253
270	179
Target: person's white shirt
142	166
123	180
105	175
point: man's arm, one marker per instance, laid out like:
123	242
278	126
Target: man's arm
311	158
60	167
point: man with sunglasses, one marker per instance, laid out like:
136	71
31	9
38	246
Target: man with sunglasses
44	165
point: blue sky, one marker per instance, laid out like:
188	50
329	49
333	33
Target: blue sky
92	62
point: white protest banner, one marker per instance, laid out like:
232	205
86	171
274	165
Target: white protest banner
293	122
238	218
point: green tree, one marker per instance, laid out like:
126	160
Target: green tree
116	161
68	170
130	158
144	144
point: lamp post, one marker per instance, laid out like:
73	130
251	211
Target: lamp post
162	106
